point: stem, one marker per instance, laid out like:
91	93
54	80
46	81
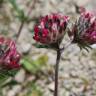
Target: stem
56	72
23	22
20	29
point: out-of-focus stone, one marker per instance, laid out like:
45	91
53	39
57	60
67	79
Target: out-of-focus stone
17	88
51	86
24	47
20	76
11	93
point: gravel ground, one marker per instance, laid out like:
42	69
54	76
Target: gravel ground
77	71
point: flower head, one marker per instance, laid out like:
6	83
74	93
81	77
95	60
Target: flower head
84	30
9	57
50	29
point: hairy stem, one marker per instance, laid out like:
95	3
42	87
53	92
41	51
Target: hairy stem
56	72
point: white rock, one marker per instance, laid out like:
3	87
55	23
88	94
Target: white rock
25	47
81	3
52	58
77	90
17	89
93	46
51	86
20	76
11	93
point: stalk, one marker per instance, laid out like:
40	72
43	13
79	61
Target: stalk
57	71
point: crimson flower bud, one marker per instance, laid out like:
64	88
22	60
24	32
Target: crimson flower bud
50	29
9	57
84	30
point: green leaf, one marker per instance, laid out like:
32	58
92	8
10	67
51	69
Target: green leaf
10	83
5	74
41	46
33	90
34	66
19	12
3	78
14	5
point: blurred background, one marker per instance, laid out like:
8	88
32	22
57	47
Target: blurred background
77	71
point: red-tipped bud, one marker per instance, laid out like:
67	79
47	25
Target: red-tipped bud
50	29
84	30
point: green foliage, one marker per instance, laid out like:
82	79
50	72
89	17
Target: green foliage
34	66
5	74
10	83
33	90
10	72
1	1
3	78
85	46
19	12
40	45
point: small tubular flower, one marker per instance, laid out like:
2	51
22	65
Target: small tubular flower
84	30
50	29
9	57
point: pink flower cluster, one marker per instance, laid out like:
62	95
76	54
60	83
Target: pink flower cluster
84	30
50	28
9	57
